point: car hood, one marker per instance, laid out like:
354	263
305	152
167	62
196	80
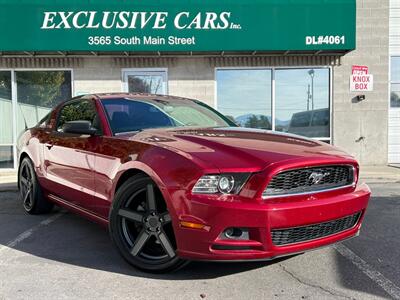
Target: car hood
235	148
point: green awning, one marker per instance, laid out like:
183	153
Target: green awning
175	26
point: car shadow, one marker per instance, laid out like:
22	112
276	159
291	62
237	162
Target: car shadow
73	240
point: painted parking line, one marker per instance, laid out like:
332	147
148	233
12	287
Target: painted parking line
377	277
26	234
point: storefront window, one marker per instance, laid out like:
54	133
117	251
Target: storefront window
395	82
302	102
244	96
38	92
301	99
6	120
145	81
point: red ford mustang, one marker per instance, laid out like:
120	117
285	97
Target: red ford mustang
174	180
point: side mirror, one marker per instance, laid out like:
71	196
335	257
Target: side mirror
79	127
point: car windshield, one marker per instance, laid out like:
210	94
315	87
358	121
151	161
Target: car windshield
128	114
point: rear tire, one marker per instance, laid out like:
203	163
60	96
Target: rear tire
140	227
30	191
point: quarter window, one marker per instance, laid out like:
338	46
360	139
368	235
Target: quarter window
45	120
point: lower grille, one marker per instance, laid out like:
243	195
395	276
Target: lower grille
293	235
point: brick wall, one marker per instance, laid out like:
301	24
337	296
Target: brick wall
361	127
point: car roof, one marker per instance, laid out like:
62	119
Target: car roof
119	95
138	96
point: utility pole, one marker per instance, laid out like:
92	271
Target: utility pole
311	73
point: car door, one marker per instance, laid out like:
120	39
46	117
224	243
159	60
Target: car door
68	158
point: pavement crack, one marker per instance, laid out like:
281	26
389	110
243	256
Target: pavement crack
298	279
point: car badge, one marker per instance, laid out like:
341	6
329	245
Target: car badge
316	177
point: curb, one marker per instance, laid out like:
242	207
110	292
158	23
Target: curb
8	188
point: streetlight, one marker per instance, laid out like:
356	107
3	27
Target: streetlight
311	72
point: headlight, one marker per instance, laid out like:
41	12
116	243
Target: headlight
223	183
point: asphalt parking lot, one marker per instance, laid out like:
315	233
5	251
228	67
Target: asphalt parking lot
61	256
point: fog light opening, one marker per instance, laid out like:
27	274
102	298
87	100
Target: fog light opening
236	233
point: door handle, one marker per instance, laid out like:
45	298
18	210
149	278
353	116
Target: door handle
48	145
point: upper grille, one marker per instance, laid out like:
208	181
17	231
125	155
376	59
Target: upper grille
293	235
309	180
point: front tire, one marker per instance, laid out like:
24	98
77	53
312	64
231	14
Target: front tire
140	226
30	191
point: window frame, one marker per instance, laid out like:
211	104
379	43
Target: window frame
273	69
14	101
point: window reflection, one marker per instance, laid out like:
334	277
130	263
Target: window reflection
6	121
302	102
6	157
152	84
395	82
244	96
301	99
38	92
5	108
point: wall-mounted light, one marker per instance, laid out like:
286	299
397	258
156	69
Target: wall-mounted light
360	97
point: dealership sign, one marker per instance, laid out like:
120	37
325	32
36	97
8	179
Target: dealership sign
172	25
360	80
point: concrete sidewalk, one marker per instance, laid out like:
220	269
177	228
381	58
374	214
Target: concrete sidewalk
8	181
380	174
369	174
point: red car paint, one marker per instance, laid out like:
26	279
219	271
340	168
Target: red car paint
82	174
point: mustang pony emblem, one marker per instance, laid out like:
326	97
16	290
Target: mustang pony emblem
316	177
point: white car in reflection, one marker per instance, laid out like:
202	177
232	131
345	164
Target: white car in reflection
310	123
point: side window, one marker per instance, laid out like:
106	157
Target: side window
321	118
83	110
300	120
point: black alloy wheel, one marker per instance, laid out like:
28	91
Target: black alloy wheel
141	227
30	190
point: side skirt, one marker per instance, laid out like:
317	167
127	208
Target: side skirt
78	210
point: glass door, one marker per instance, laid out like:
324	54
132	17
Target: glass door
6	121
145	81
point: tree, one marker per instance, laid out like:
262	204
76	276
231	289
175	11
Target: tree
150	84
264	123
394	99
252	122
258	122
5	85
82	110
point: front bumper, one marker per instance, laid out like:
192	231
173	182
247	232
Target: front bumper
260	219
